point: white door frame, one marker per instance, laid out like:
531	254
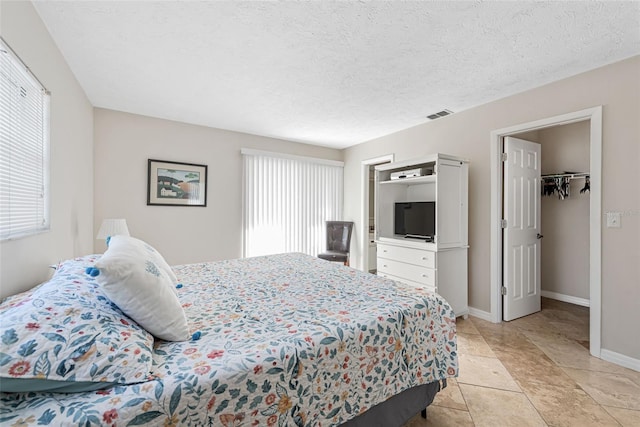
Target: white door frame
594	116
364	212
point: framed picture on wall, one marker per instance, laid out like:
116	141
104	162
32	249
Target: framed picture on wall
176	184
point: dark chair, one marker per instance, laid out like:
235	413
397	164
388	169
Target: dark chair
338	241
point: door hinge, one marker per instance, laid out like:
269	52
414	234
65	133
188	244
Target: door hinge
503	291
503	157
503	223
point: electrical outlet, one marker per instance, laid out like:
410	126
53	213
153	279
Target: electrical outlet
613	220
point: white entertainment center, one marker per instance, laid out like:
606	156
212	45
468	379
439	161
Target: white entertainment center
440	264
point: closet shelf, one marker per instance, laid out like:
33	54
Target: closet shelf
561	183
570	175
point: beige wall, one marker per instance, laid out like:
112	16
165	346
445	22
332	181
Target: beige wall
124	142
467	134
565	223
24	262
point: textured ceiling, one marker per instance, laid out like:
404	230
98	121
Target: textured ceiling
328	73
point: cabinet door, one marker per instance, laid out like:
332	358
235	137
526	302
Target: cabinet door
452	279
451	205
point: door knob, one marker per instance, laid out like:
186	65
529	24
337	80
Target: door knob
539	236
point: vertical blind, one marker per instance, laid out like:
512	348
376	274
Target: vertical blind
24	149
287	201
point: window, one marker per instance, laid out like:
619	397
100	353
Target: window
287	200
24	149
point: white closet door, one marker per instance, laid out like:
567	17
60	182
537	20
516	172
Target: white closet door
521	238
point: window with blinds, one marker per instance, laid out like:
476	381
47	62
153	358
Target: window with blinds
24	149
287	200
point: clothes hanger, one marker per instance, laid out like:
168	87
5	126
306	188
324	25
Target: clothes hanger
587	185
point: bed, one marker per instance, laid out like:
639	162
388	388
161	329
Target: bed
286	340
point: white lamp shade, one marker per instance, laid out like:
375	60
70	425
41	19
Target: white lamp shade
112	227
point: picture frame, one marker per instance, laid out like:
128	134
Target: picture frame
176	184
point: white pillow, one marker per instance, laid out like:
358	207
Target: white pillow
138	280
157	259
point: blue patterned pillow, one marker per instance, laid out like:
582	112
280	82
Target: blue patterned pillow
65	334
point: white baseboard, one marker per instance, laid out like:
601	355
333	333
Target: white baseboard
620	359
566	298
484	315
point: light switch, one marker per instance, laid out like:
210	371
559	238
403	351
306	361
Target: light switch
613	220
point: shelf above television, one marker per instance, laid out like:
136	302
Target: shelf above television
411	181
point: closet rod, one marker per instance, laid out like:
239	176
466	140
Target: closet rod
567	175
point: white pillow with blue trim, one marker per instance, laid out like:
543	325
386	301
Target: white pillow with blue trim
132	275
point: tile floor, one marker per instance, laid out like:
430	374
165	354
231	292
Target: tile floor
534	371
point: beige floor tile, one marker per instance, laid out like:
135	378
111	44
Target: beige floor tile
532	371
486	372
490	407
473	344
566	405
555	305
533	322
628	373
488	327
608	389
511	341
569	353
564	315
534	366
548	333
438	416
466	326
626	417
574	330
450	397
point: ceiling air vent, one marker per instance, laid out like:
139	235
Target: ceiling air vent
439	114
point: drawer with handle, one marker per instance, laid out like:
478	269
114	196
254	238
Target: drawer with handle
411	272
409	282
409	255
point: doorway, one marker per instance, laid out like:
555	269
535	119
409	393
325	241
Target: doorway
366	240
594	117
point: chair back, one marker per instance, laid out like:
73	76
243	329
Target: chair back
339	236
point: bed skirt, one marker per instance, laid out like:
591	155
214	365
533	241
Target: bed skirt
398	409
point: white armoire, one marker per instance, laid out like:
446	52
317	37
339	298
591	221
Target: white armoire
441	264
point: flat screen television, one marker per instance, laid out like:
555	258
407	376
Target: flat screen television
415	219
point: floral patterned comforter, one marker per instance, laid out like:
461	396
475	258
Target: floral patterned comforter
286	340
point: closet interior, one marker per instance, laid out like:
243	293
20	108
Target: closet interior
565	192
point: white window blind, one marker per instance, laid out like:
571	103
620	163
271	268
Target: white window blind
287	200
24	149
